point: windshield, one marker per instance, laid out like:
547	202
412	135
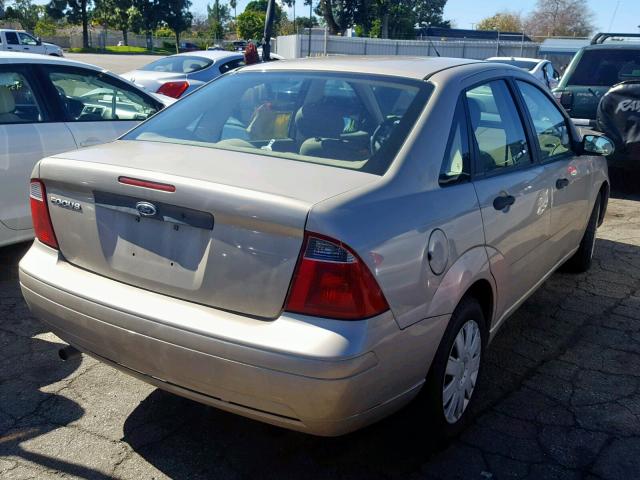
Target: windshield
606	67
178	64
350	121
524	64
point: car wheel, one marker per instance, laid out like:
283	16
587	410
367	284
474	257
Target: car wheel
581	260
449	389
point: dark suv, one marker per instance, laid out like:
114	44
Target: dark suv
595	69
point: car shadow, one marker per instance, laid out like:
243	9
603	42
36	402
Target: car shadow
184	439
29	364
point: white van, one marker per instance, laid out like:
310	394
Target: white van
21	41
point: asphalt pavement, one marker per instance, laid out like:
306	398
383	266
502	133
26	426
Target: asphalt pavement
560	400
115	63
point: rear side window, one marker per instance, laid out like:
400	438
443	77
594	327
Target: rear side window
18	103
497	128
604	68
12	38
456	164
233	64
326	118
550	126
178	64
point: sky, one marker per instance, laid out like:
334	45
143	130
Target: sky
465	13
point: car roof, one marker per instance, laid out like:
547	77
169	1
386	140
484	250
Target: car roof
16	57
614	46
400	66
516	59
210	54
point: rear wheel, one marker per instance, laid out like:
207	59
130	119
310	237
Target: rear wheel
582	259
449	390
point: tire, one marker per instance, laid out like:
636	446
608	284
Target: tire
581	260
443	420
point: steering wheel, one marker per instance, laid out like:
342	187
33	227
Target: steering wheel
382	133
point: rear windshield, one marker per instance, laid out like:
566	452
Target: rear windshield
350	121
524	64
604	68
178	64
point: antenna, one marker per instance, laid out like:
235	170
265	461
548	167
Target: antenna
613	17
431	41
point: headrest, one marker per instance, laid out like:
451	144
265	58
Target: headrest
475	110
317	120
7	102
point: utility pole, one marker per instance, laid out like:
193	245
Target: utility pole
268	27
310	25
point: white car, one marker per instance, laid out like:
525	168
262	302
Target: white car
50	105
21	41
543	70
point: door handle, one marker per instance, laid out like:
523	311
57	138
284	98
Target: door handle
503	201
561	183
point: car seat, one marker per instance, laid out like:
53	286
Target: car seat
318	130
475	113
7	106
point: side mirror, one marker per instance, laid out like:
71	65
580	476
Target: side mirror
597	145
38	41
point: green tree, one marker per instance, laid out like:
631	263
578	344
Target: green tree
219	17
250	25
176	14
502	21
145	18
260	6
75	11
25	12
234	4
382	18
45	27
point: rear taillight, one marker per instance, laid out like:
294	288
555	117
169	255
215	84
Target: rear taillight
332	281
173	89
40	214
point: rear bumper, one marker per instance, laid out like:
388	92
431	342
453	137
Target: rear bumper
319	376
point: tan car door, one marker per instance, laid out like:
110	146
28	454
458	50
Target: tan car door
513	193
569	173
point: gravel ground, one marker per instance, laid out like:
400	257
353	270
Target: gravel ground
560	399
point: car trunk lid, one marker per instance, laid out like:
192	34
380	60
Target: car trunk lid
228	236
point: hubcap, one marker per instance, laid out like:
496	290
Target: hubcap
462	370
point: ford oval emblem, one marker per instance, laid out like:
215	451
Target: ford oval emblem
146	209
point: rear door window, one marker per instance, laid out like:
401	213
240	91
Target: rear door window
12	38
232	65
497	128
18	103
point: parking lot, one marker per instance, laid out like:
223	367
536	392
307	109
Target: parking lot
114	63
561	399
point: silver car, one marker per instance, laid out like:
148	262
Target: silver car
177	75
316	243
